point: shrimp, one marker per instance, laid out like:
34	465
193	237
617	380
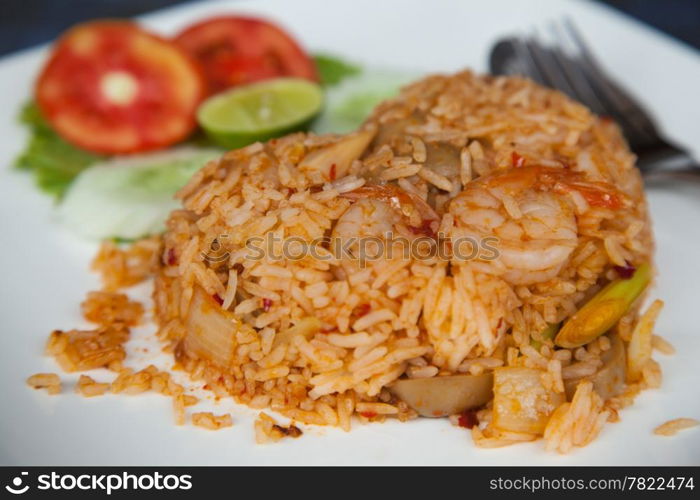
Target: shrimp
417	214
381	212
367	218
363	233
528	211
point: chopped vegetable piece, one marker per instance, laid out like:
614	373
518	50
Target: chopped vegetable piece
609	381
111	87
211	331
260	111
602	311
444	396
236	50
306	327
521	403
547	334
640	345
332	70
336	157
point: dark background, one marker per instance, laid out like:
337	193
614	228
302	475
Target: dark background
24	23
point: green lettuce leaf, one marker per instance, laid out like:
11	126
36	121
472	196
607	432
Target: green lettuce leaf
53	161
333	70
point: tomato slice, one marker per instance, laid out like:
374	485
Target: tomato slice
111	87
234	50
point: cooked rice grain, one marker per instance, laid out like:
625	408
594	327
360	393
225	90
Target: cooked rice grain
49	381
208	420
672	427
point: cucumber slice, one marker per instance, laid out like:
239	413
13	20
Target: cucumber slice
260	111
130	197
349	103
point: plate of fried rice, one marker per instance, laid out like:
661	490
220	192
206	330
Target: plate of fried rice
477	274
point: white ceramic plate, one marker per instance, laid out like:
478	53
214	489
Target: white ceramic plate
44	270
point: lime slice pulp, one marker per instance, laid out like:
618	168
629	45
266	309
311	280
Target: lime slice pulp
260	111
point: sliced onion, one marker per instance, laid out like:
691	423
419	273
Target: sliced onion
211	331
609	381
521	402
444	396
306	327
333	161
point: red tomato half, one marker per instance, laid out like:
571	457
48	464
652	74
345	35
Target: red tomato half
111	87
234	50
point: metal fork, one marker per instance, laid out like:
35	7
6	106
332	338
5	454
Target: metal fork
570	66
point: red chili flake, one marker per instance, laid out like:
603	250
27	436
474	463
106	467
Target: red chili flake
362	309
368	414
468	419
625	272
218	299
333	173
291	431
425	229
598	198
171	258
266	304
565	162
517	160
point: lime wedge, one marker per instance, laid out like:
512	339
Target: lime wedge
260	111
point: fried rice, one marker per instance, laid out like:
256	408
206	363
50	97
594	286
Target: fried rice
312	275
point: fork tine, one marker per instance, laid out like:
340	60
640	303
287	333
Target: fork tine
545	60
583	92
525	54
633	120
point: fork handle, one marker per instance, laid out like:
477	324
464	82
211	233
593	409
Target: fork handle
667	159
